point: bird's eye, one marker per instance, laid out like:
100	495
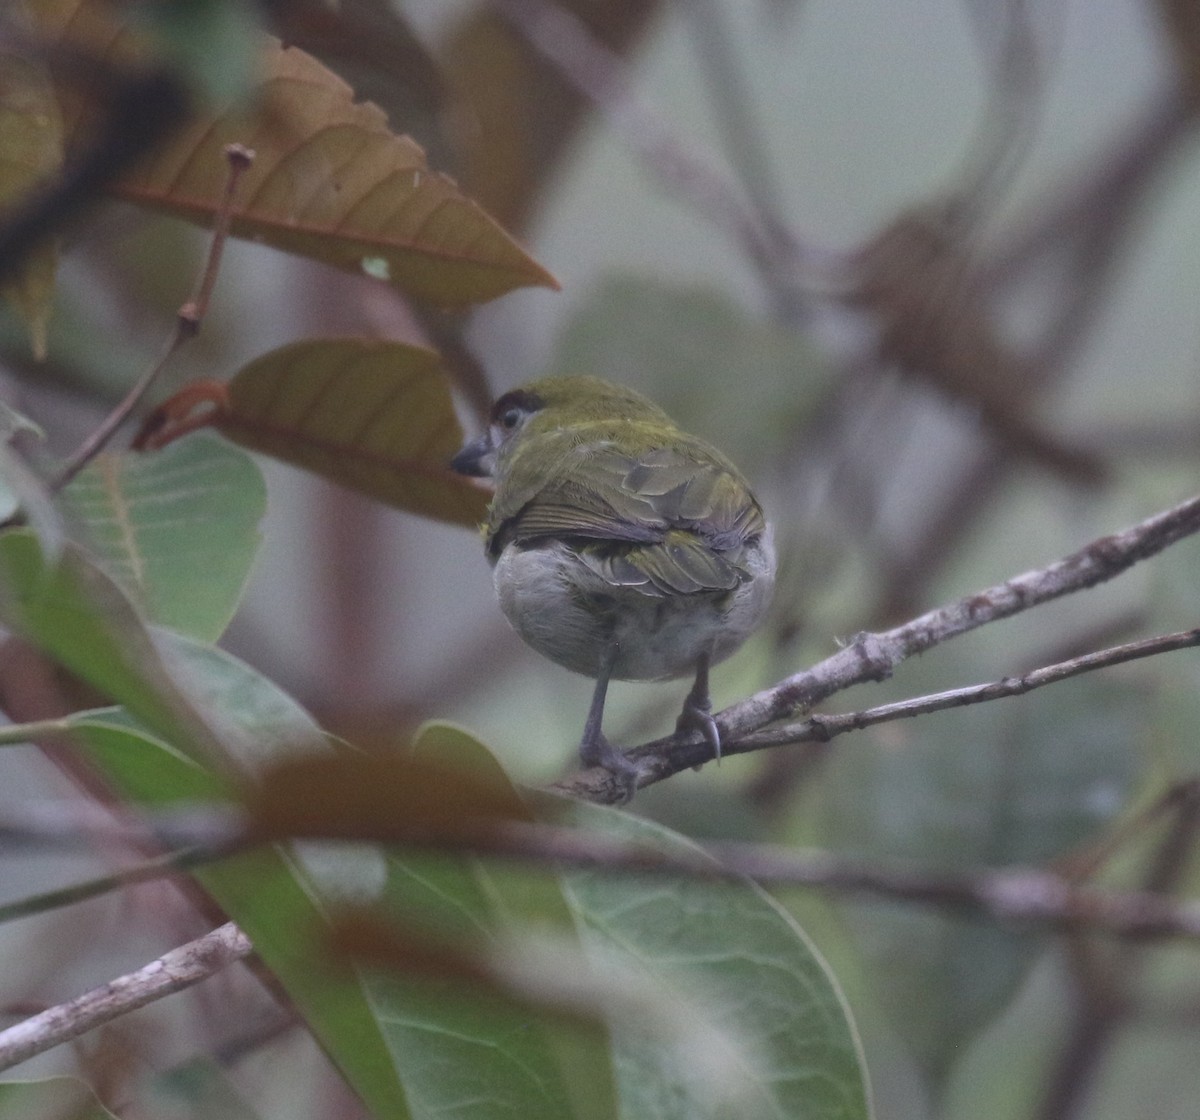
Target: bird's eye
510	418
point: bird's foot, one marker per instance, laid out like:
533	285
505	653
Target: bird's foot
598	751
697	716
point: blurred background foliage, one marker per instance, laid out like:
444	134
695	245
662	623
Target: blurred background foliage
928	270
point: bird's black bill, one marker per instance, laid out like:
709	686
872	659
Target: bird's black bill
473	459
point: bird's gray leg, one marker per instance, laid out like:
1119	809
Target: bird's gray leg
594	748
697	710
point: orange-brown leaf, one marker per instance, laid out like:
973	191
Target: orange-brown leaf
330	180
373	415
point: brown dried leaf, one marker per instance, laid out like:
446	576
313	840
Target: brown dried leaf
331	181
373	415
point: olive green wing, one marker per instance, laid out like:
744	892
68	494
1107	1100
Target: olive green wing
666	521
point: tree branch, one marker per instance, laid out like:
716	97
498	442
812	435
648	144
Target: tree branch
822	728
174	971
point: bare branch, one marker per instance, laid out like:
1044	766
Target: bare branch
822	728
174	971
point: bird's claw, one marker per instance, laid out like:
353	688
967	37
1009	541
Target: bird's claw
600	752
697	716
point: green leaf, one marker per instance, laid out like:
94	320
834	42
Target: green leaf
21	489
177	529
394	1042
258	722
507	1061
80	618
733	948
56	1098
372	415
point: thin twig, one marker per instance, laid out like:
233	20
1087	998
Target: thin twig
187	326
174	971
148	871
823	727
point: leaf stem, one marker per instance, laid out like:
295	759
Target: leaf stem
15	734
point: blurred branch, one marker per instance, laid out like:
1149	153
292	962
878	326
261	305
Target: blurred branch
187	324
1090	224
775	252
929	320
1125	174
874	656
1019	894
1105	986
744	140
514	114
173	972
1007	34
148	871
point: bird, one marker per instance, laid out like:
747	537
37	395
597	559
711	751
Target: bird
622	547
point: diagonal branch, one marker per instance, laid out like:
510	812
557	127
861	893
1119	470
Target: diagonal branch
174	971
822	728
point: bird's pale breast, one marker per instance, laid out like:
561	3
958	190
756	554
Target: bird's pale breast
568	613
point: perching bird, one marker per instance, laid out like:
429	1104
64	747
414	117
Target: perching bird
623	547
